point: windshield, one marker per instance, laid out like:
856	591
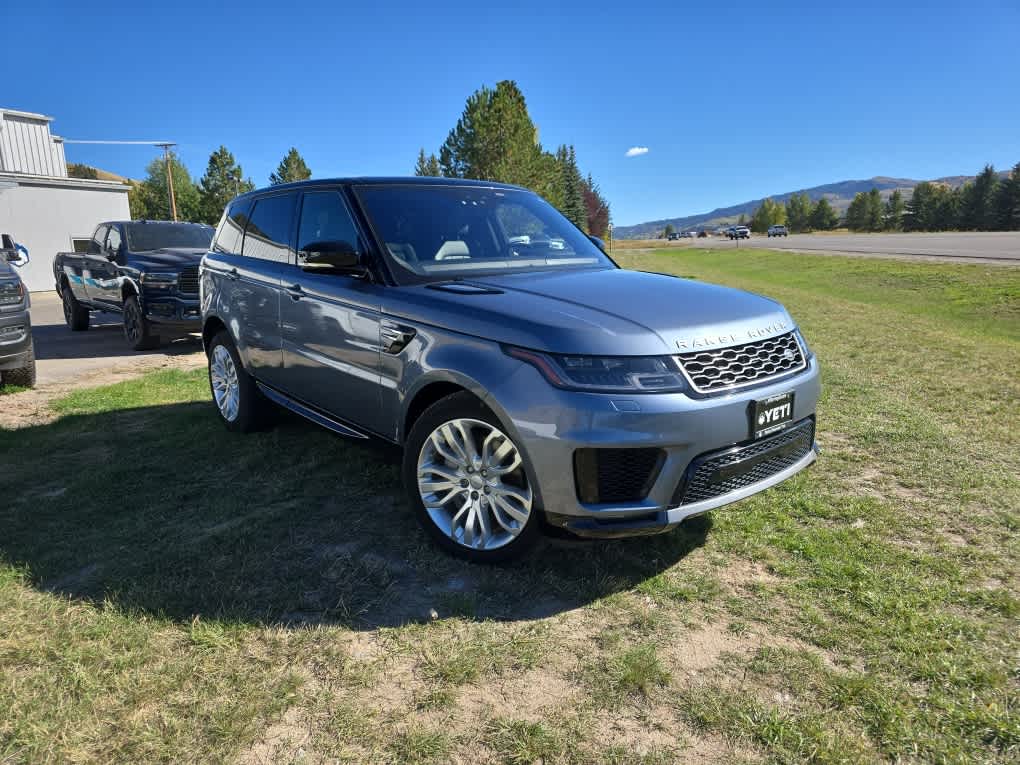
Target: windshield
142	237
453	231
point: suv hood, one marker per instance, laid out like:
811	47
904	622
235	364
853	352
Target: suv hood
610	312
170	257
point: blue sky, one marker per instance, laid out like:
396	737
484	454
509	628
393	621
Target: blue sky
733	101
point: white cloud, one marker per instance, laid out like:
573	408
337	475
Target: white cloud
636	151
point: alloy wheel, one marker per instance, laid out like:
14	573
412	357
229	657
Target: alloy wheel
472	482
225	386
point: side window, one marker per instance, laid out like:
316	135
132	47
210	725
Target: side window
113	240
98	240
231	229
324	218
267	236
80	244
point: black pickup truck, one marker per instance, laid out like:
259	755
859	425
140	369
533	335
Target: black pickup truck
145	270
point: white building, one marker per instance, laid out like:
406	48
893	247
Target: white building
40	207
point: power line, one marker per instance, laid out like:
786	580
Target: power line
127	143
164	145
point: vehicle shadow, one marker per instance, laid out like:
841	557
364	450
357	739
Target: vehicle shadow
104	338
160	510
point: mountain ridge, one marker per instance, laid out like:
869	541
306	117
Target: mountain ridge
839	194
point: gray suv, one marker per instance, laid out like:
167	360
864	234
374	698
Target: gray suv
529	380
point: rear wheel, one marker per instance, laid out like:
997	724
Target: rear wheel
467	482
22	377
137	329
76	316
240	404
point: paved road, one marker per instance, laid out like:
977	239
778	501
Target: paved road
62	355
973	247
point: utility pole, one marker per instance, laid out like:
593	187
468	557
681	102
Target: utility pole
165	145
170	179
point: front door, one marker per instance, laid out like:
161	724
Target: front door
330	323
105	273
94	264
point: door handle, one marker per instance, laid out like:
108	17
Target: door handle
232	274
295	291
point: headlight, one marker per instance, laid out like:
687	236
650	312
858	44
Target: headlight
808	355
156	279
11	292
606	374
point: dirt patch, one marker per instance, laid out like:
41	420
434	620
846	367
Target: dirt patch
284	741
32	407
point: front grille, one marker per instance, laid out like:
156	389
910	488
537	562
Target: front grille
615	475
741	365
187	282
720	473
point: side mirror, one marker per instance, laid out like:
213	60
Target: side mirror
597	242
11	251
335	256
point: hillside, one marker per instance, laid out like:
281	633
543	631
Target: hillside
839	194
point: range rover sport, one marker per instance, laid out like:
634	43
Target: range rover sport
528	378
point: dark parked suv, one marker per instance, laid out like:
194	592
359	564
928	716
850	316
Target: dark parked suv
527	377
147	271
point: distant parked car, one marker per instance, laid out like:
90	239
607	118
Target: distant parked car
147	271
17	353
777	231
738	232
673	237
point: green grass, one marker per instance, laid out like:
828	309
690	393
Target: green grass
172	592
6	390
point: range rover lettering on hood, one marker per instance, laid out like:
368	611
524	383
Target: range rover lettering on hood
711	341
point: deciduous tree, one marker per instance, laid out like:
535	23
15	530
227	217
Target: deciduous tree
769	213
798	213
597	209
152	198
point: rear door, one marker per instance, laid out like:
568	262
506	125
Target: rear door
93	264
330	322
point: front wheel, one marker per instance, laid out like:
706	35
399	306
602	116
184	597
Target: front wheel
22	377
137	329
467	482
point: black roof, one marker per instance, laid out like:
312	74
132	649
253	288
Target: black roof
414	180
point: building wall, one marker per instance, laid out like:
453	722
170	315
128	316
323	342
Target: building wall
26	145
44	215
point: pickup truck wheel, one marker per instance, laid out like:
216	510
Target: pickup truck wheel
240	404
23	377
137	329
467	483
76	316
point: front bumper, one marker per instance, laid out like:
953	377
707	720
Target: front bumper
552	424
180	312
15	339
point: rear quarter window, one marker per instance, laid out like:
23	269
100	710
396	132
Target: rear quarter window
230	232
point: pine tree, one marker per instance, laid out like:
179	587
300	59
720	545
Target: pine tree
572	185
894	211
798	213
857	213
823	217
1007	202
494	139
223	180
874	211
427	166
291	168
978	210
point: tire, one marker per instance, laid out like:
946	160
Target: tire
137	329
76	316
22	377
240	405
494	496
